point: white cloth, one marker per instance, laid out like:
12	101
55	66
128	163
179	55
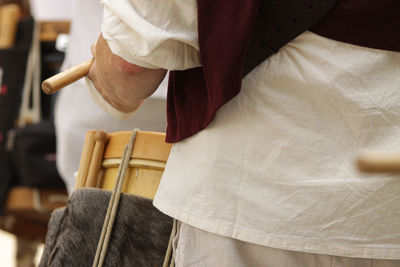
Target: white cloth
85	24
194	247
276	165
151	33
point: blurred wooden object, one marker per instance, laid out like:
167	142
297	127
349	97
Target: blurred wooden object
31	208
24	6
9	17
40	203
49	30
379	162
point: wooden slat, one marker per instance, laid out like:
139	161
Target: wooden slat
148	145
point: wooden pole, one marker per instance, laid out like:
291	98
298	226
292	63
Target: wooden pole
379	162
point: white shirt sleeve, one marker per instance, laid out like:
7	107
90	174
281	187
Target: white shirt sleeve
153	33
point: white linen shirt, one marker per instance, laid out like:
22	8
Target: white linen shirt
276	165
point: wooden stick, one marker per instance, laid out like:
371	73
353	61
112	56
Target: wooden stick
86	156
101	138
9	17
379	162
62	79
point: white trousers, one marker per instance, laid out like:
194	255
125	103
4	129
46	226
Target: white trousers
198	248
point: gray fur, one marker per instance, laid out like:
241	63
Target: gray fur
139	237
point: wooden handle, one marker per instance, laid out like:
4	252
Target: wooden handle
379	162
62	79
9	17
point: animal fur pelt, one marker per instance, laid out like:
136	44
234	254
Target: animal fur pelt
139	237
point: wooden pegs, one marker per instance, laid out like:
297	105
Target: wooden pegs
101	138
86	156
62	79
379	162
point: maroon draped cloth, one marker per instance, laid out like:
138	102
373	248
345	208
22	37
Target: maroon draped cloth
225	28
194	95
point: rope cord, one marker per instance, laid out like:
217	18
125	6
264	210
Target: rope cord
170	254
113	204
31	87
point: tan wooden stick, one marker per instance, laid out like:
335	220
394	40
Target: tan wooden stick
86	156
379	162
101	138
62	79
9	17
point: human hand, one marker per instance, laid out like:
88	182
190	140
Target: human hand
122	84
